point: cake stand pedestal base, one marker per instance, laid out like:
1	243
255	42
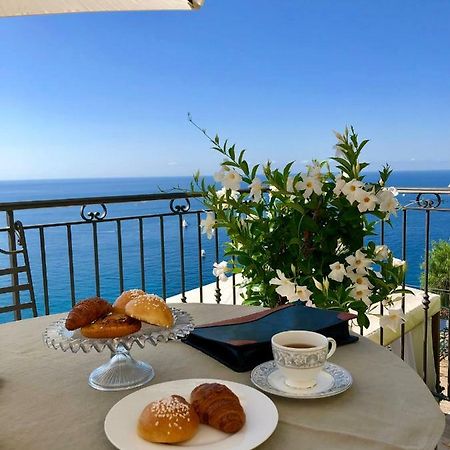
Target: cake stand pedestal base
121	372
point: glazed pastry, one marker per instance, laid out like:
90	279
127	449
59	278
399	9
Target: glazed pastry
124	298
86	312
111	326
168	421
151	309
219	407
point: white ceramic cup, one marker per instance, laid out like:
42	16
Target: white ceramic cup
301	366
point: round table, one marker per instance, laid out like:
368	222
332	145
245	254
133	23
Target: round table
46	403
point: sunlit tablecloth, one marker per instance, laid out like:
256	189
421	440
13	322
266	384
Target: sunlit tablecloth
46	403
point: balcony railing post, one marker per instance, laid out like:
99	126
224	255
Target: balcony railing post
12	247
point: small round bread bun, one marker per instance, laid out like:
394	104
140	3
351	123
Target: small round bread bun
168	421
124	298
112	326
151	309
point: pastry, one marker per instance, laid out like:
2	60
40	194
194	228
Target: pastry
151	309
111	326
219	407
124	298
168	421
87	311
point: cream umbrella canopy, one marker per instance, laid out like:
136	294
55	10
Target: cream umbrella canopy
10	8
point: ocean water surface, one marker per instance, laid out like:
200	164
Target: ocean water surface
82	235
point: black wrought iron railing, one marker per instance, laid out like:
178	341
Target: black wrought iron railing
144	235
103	245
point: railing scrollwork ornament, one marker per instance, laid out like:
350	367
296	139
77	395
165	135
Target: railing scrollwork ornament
93	216
428	203
18	230
180	208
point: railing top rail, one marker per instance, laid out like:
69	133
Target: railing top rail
423	190
36	204
64	202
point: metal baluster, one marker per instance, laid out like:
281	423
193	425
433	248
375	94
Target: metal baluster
163	257
426	297
200	262
218	293
44	270
183	281
381	304
448	352
234	288
13	262
71	268
96	261
26	258
141	251
120	253
402	327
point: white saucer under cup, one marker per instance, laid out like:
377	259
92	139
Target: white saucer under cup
332	380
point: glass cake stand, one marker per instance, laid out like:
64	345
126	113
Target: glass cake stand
121	371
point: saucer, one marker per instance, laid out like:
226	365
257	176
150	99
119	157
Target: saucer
332	380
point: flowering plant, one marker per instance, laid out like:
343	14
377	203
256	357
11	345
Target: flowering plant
304	236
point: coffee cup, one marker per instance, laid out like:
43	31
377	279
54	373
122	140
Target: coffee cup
301	355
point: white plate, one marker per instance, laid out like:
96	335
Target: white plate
333	380
261	418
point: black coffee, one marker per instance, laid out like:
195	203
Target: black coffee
298	345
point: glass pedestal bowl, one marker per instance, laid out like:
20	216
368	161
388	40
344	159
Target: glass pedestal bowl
121	371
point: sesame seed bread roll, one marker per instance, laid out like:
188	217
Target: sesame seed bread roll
168	421
151	309
124	298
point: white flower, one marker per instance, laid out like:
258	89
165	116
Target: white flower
322	286
272	189
309	185
220	270
393	320
381	252
231	180
388	202
393	190
207	225
340	183
358	278
366	200
255	189
361	292
359	262
314	171
286	287
303	293
398	262
222	194
218	176
351	189
337	271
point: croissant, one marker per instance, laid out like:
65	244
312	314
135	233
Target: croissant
86	311
217	406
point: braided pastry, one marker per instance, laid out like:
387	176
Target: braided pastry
217	406
86	312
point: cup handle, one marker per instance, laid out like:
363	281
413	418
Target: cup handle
333	347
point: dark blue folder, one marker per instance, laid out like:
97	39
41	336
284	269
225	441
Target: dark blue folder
243	343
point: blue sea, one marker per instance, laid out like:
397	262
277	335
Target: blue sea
83	254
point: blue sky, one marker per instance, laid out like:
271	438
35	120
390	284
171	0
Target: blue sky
92	95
